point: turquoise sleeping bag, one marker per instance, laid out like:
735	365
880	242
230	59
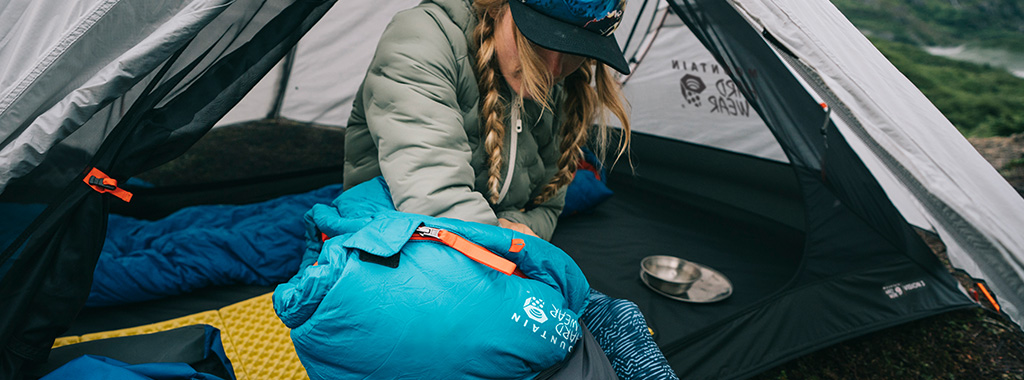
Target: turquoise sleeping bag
369	303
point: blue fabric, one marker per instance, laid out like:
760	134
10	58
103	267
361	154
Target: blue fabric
621	331
214	346
588	187
200	246
89	367
438	314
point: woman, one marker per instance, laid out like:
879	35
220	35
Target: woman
449	102
479	110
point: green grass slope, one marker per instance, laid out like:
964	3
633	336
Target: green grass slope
980	100
993	23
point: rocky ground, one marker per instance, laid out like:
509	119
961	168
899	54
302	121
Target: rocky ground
1006	154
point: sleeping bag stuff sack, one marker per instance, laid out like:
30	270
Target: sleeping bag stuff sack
374	302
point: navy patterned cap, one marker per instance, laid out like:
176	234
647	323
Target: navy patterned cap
598	16
579	27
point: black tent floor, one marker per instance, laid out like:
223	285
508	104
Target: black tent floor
758	256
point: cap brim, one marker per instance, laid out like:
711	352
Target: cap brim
553	34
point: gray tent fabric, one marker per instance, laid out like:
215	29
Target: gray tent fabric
709	108
331	52
60	94
726	103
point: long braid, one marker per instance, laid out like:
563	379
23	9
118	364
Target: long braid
491	109
581	105
578	112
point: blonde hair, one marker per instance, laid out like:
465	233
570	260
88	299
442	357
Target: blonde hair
584	103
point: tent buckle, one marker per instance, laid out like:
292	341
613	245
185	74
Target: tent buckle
97	181
102	183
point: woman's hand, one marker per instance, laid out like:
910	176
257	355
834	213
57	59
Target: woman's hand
518	227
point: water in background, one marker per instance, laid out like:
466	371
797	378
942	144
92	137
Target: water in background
1011	61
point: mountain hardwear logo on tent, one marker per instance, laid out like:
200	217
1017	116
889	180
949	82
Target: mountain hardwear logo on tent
692	86
895	291
534	309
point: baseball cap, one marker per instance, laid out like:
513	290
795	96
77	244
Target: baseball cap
579	27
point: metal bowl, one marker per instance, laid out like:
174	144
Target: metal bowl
669	274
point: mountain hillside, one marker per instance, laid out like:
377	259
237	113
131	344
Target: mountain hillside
992	23
980	99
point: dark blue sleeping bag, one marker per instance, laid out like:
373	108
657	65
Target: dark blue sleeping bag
254	244
201	246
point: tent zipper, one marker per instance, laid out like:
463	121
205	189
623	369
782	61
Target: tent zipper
517	103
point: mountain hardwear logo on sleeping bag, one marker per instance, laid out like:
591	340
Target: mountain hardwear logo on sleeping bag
568	327
534	309
562	332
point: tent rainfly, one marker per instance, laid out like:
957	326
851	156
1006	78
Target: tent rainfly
772	142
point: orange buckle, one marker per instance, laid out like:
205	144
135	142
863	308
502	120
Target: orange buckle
517	245
102	183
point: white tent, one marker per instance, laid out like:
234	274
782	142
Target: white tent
778	110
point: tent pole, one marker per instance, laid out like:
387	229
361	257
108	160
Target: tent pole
282	85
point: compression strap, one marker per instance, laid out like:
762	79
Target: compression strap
472	250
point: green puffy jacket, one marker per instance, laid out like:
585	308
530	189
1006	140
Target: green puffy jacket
415	120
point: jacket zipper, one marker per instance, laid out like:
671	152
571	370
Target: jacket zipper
518	122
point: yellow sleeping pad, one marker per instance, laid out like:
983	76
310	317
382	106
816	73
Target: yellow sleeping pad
254	339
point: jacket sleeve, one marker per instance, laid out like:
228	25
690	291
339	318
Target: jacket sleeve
414	118
541	219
